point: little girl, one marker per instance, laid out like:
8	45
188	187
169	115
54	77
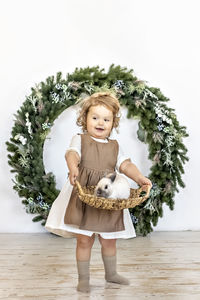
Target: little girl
89	157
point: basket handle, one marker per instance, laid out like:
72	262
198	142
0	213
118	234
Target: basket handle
79	187
147	189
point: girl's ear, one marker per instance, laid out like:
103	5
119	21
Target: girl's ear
112	177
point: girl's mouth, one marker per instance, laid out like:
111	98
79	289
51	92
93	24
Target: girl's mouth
99	129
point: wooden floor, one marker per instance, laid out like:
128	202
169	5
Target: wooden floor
163	265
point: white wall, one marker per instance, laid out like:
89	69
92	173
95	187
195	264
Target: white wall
158	39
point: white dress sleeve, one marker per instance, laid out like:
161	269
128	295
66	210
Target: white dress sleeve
121	157
75	144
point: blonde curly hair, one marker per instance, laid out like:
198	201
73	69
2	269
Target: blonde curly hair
107	99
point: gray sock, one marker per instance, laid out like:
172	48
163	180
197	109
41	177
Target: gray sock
110	270
83	276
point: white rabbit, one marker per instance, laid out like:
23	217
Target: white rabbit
113	186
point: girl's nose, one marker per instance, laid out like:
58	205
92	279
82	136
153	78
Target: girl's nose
101	122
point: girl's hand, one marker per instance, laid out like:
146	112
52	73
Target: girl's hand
73	174
144	181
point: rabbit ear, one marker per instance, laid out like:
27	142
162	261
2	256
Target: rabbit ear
112	177
107	173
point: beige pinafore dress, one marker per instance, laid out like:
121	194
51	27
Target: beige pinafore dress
96	159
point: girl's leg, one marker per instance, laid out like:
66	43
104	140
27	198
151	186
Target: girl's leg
83	246
108	251
83	253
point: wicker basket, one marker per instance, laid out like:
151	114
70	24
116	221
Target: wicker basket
86	194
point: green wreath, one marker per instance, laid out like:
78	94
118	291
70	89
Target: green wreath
158	126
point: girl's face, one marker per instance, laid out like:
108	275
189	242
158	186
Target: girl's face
99	121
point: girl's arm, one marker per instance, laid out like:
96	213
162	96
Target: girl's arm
72	158
130	170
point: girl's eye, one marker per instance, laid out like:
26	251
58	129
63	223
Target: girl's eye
106	120
94	118
106	186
